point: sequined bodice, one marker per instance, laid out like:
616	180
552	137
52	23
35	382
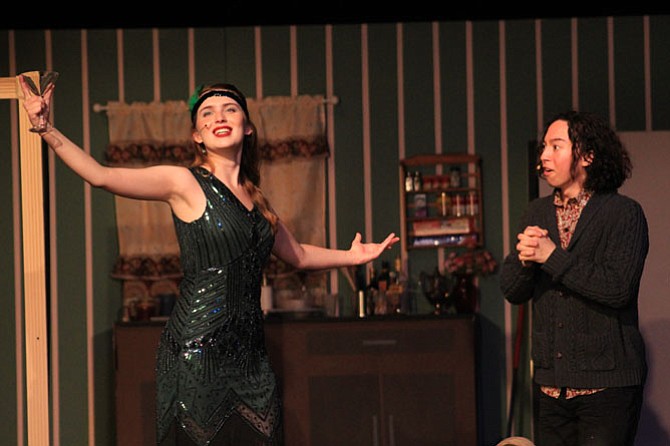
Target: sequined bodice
212	359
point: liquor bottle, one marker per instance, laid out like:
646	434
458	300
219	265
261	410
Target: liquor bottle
418	182
458	206
409	182
445	204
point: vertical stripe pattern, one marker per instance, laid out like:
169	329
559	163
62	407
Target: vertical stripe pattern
436	102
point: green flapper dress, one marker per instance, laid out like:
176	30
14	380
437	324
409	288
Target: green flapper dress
212	364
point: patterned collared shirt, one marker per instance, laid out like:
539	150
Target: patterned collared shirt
567	216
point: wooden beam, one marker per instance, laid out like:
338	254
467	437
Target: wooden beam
34	268
8	88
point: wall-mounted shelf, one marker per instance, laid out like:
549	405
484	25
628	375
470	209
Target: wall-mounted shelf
441	201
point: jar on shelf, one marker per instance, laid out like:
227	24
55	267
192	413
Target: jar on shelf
444	181
455	177
427	183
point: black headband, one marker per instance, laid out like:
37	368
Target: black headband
228	93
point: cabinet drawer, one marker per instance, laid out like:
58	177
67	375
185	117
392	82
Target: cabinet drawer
380	341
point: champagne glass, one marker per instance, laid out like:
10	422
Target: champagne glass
46	79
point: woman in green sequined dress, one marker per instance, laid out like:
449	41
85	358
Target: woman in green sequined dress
215	385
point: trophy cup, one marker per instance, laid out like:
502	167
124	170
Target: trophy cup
436	288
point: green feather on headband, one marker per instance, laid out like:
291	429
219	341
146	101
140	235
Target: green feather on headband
194	97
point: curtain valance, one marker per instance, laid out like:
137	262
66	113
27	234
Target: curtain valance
160	132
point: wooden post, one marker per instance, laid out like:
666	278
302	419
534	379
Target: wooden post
34	268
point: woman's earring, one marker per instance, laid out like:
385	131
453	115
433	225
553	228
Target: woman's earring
203	150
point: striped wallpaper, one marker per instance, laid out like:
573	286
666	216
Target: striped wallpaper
402	89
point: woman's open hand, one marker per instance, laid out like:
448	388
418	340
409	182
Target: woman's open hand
365	252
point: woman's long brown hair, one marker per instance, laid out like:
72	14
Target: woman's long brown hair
250	176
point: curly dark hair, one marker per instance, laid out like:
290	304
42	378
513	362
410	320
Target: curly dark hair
592	137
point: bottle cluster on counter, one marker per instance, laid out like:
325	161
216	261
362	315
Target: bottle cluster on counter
383	292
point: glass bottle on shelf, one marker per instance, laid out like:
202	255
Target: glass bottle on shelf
458	206
418	182
409	182
473	204
444	204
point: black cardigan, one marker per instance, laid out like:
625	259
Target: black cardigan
585	331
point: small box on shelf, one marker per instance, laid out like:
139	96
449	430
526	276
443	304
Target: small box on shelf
420	206
449	226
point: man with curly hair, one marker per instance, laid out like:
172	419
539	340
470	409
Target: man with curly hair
579	259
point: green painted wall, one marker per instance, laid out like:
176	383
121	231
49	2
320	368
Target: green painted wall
531	86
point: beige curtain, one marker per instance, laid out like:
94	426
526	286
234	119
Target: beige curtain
292	139
142	134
